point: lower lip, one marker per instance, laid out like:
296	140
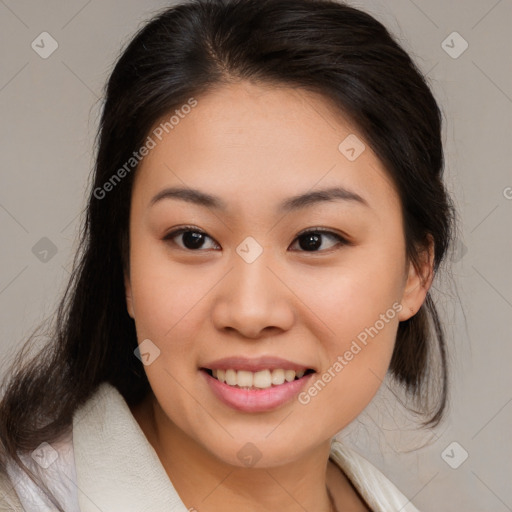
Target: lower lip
256	400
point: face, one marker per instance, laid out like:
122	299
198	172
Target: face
274	284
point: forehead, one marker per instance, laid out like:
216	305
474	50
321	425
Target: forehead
252	143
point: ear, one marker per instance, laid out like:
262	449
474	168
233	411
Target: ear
418	282
128	292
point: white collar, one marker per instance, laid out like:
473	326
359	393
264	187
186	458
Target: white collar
116	466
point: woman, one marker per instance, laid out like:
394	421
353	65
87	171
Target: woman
266	218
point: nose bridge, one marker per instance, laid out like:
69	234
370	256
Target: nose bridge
252	280
252	297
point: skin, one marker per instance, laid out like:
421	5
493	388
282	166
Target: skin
254	146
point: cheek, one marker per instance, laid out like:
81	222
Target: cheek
167	301
357	362
353	296
358	304
165	297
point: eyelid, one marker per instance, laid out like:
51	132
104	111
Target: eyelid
178	231
326	231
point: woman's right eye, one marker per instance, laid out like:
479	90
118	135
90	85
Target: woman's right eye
191	238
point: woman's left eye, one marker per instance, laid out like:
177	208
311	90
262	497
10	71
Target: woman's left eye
312	239
309	241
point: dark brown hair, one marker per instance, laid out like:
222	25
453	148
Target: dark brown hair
321	46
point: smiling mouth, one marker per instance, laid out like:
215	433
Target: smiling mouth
263	379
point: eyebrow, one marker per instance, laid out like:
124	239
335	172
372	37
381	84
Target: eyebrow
293	203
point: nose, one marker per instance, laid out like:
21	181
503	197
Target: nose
252	299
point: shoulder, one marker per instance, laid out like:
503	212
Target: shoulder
54	467
9	501
378	491
53	463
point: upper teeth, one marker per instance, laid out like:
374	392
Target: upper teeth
262	379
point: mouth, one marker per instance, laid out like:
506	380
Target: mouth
260	391
262	379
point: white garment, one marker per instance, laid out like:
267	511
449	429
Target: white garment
107	465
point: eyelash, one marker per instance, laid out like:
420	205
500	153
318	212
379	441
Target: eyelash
342	241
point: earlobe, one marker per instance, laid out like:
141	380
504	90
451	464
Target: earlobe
128	292
418	283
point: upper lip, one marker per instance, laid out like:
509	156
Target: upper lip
255	364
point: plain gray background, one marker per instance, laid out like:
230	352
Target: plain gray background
50	111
